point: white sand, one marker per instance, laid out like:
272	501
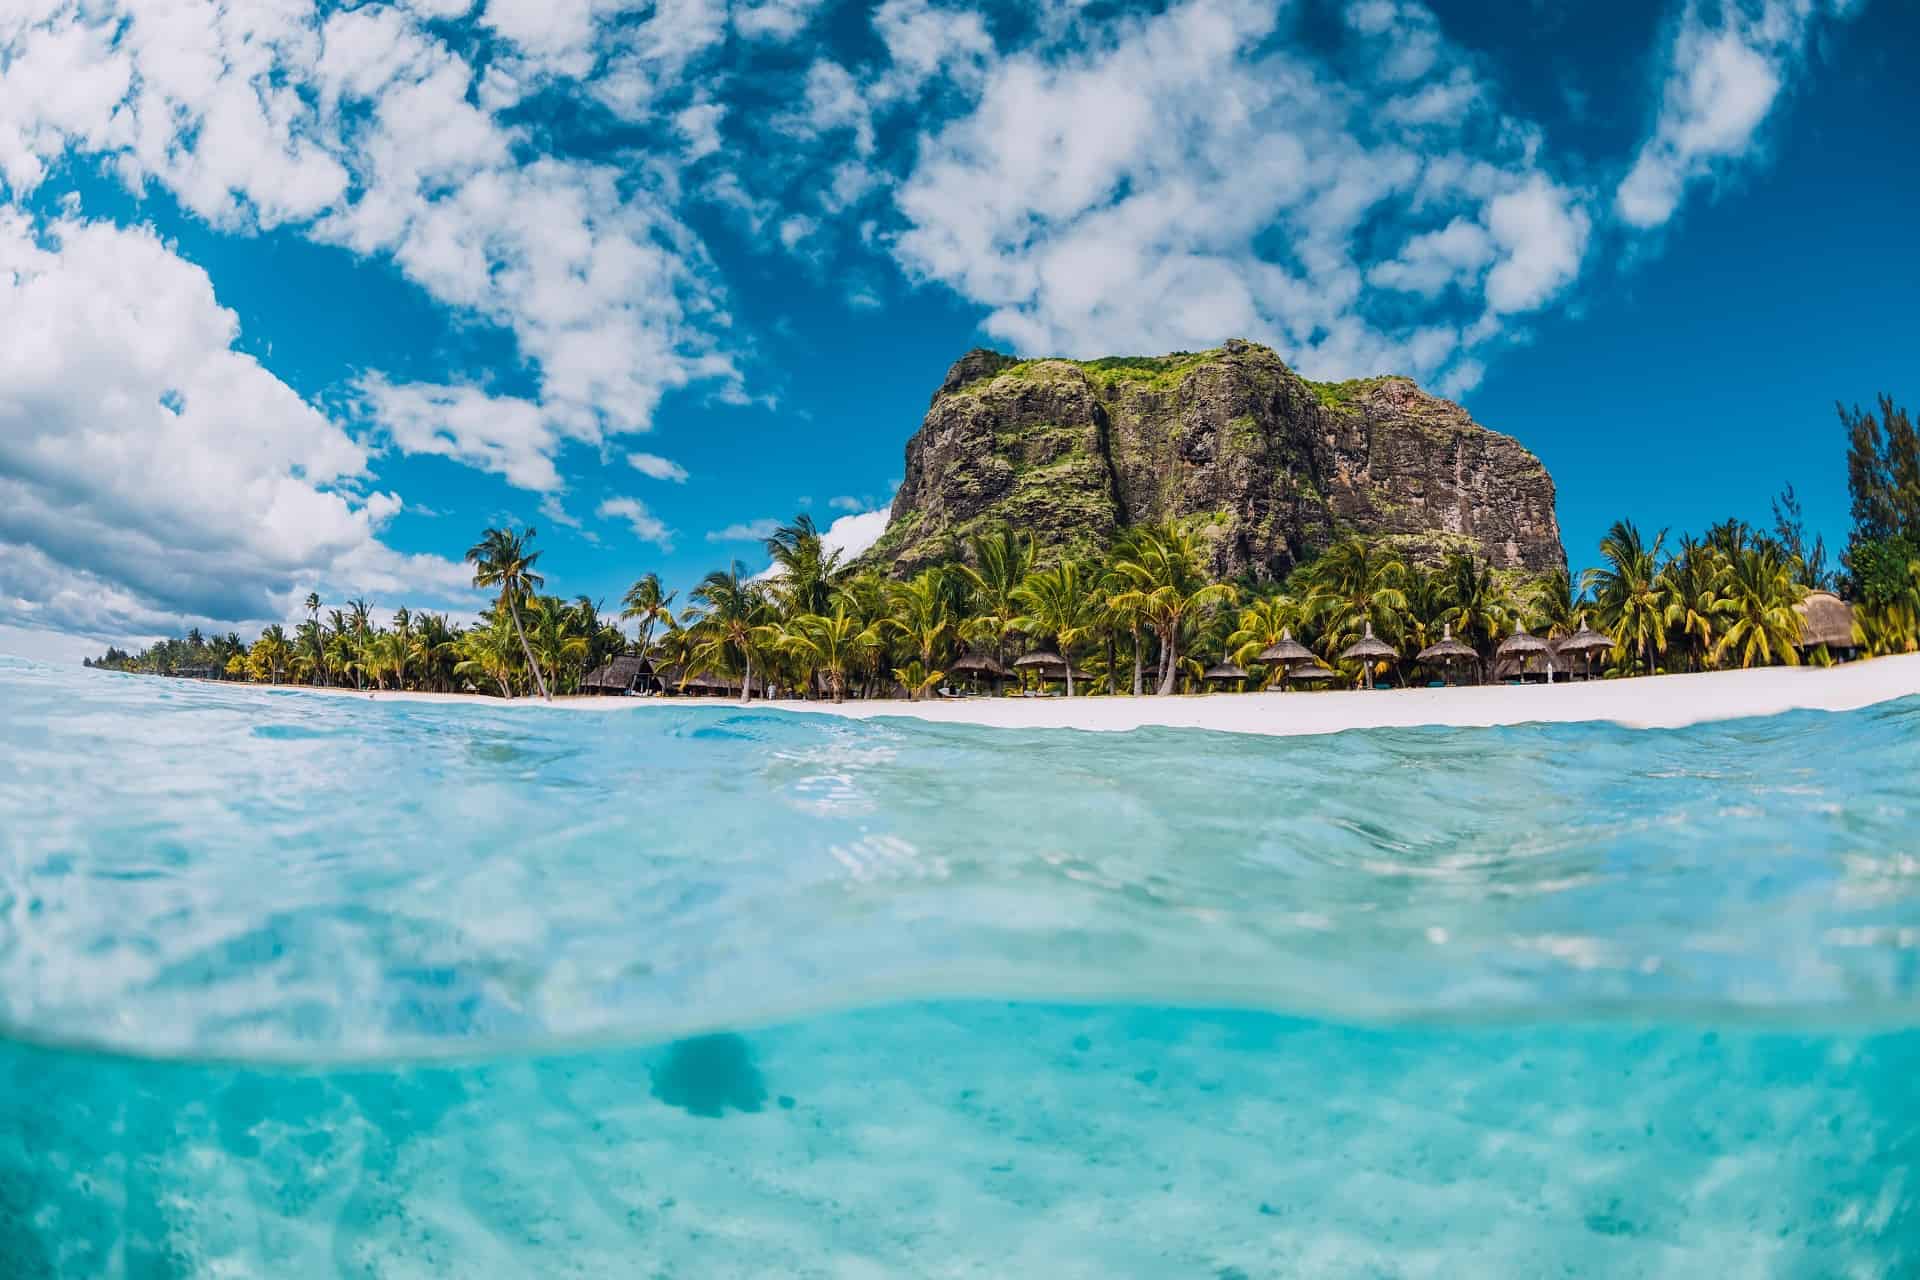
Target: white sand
1661	702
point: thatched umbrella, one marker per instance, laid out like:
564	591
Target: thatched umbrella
1586	642
1285	651
1048	664
1314	673
1520	646
1446	652
1369	651
1825	619
1221	672
980	664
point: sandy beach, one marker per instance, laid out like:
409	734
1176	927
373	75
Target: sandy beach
1652	702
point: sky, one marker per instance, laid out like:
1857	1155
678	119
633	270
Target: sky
301	296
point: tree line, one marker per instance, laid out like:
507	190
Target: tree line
1147	616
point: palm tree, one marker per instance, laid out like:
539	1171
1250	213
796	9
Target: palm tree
921	614
1357	583
1694	582
1167	587
1556	606
487	653
1261	625
501	559
1630	591
804	569
829	643
1124	609
864	595
270	651
1059	602
1761	593
728	612
1480	609
647	603
1001	562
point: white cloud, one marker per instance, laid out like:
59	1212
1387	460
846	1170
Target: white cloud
652	464
645	525
505	435
774	19
1541	235
852	534
1227	191
745	531
847	504
150	473
1727	65
360	127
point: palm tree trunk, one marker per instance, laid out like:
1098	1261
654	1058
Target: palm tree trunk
1169	660
746	680
538	679
1136	660
1113	677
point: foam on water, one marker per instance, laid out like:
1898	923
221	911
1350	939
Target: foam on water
1574	1000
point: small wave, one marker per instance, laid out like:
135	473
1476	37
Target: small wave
210	871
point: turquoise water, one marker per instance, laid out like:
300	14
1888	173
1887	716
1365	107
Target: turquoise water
315	986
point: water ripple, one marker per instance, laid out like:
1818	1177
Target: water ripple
216	870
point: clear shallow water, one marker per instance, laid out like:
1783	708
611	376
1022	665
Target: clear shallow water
428	987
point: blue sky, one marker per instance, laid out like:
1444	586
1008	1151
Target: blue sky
302	296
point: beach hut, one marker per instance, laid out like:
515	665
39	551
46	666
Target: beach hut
1826	619
1585	644
1285	652
703	684
1222	672
619	675
1517	651
1048	665
979	665
1367	651
1445	653
1314	672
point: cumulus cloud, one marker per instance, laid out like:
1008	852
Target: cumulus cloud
150	473
652	464
361	127
852	534
1227	190
1727	64
745	531
645	525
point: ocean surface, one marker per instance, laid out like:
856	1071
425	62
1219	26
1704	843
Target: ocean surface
325	986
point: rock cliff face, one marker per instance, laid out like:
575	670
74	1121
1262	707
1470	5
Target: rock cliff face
1074	451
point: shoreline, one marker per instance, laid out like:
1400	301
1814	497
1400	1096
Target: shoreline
1640	702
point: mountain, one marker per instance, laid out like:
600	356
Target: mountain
1073	451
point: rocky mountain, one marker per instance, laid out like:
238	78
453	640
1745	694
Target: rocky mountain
1075	450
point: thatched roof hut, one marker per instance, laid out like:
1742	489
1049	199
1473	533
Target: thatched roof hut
979	664
1221	672
703	684
1585	640
621	674
1045	659
1523	654
1826	619
1445	652
1286	649
1314	671
1519	643
1368	650
1446	649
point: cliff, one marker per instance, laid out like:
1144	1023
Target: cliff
1073	451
